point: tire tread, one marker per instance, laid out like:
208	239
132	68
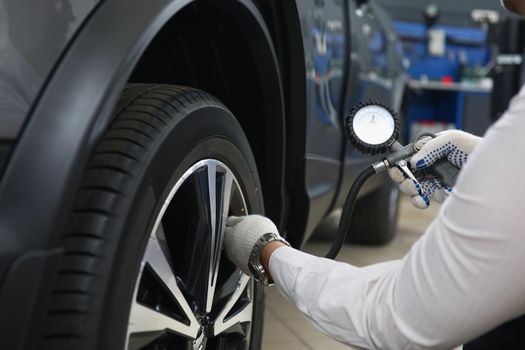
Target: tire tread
141	116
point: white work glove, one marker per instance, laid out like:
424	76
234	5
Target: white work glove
242	232
455	145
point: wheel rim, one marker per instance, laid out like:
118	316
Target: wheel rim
186	295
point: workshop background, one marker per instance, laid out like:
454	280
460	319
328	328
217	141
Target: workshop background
464	59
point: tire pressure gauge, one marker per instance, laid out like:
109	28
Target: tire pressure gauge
371	127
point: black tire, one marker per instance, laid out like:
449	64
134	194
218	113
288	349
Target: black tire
374	220
159	132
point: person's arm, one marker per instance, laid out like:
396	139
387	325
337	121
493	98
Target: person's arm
334	296
462	278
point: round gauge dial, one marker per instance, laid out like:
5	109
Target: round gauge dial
372	127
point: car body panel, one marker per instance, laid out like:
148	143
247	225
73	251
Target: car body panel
323	29
351	55
62	136
377	73
33	35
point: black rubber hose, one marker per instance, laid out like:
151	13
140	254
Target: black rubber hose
346	216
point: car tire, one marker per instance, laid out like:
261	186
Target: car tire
374	220
142	265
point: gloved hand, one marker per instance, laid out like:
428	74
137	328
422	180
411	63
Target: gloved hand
455	145
242	232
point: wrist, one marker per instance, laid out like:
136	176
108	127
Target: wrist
266	254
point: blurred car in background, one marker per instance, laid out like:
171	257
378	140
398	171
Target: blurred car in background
130	131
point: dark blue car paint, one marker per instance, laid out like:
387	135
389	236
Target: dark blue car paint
373	71
323	28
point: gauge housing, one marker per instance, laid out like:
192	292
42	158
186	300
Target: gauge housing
358	142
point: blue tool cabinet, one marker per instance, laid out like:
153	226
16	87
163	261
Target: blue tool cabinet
440	86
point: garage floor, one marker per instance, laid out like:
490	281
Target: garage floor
286	328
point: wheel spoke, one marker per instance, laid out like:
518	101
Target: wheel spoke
145	319
220	203
212	185
235	312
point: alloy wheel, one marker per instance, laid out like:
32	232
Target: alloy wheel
187	295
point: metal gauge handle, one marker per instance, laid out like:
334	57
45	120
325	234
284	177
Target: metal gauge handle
442	169
445	171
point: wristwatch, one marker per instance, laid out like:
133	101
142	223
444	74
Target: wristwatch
254	263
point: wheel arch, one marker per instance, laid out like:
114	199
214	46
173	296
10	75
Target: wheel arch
63	137
225	49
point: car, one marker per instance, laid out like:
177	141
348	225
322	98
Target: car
131	130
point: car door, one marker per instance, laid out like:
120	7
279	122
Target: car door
376	73
324	28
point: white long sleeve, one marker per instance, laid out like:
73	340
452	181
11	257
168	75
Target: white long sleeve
461	279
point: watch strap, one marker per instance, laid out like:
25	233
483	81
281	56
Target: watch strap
254	262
